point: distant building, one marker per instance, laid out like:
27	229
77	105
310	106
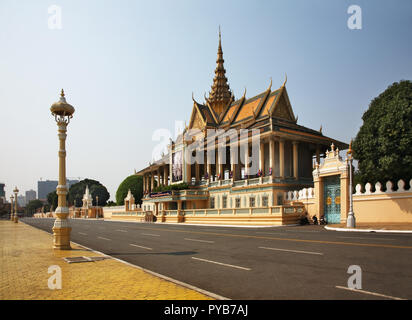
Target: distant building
30	195
2	192
21	200
47	186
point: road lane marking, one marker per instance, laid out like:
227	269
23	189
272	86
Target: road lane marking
295	251
121	230
151	234
199	240
270	232
371	293
104	238
307	231
135	245
365	238
222	264
85	234
358	244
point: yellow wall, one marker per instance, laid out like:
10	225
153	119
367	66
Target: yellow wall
395	207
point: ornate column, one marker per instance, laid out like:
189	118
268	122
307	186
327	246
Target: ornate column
197	173
16	192
246	160
272	156
296	159
233	165
11	208
262	157
282	158
62	112
151	180
165	175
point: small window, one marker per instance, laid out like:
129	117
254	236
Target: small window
251	202
237	202
224	202
212	203
264	201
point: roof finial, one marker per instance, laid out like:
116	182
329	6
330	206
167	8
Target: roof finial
350	148
244	93
62	93
270	85
286	79
220	36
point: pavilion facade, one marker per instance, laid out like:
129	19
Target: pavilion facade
241	154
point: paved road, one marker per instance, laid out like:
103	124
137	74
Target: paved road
305	262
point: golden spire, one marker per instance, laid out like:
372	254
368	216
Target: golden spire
220	95
350	148
62	93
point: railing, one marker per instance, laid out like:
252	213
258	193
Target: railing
239	183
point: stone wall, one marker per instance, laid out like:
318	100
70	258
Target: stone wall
390	206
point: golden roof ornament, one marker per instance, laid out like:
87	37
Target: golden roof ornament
350	151
220	96
286	80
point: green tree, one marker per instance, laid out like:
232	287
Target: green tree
33	205
383	145
52	200
77	191
135	184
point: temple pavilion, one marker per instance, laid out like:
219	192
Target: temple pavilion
220	182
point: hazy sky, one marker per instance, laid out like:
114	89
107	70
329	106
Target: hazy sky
129	68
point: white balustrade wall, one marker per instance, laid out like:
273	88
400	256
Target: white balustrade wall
378	188
304	194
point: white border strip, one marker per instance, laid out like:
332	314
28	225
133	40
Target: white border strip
295	251
367	230
371	293
222	264
183	284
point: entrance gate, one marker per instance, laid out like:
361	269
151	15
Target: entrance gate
331	199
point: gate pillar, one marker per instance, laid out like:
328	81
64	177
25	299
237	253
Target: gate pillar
332	165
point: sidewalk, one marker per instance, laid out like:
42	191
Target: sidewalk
27	253
374	227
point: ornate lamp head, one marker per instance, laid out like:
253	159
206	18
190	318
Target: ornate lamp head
16	191
11	198
61	110
350	151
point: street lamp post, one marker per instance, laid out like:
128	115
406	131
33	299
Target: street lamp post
97	207
11	208
351	222
62	112
16	192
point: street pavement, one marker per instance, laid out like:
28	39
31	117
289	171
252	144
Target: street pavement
30	270
299	262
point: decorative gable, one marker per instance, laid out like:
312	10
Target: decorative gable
196	120
282	108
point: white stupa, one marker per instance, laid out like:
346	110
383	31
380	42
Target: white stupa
87	199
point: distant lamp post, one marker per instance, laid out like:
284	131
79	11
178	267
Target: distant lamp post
62	112
351	222
11	208
97	207
16	192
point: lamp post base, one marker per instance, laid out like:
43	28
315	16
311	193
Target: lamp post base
351	221
61	229
16	219
61	238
